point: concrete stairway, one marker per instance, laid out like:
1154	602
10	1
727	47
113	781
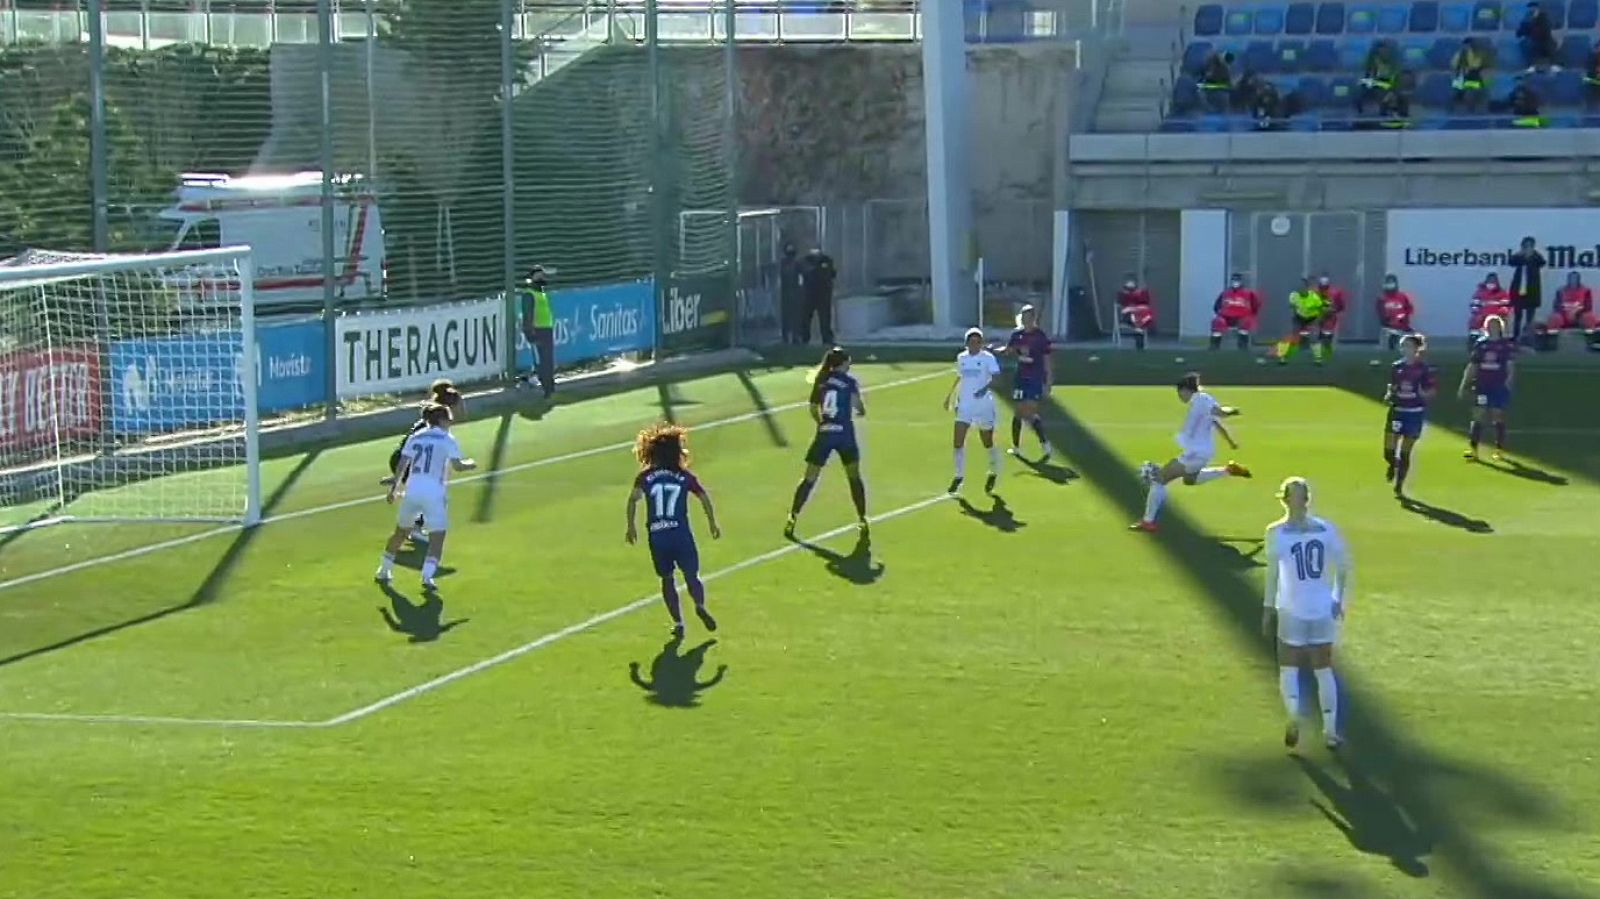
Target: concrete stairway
1137	82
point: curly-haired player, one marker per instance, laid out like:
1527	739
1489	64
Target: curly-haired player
663	479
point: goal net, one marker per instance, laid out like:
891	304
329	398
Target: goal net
128	388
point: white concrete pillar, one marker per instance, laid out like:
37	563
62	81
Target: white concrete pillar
950	235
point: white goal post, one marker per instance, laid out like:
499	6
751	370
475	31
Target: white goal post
128	388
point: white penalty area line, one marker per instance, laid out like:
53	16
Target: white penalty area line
361	501
444	680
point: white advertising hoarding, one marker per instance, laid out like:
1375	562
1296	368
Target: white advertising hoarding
406	349
1440	255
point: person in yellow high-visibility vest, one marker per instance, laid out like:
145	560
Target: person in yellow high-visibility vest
1308	306
539	326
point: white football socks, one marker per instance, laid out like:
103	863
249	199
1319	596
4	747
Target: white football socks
1289	686
994	459
430	567
386	564
961	461
1153	500
1328	695
1210	474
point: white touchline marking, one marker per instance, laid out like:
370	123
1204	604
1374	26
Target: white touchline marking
494	661
349	503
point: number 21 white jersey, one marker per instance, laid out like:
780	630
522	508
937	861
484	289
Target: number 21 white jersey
431	451
1310	560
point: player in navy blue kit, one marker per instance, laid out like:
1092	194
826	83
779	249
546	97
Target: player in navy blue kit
1411	386
1489	374
663	483
835	401
1031	345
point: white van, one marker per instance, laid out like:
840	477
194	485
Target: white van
280	217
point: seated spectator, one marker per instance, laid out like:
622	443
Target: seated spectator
1216	81
1267	106
1591	80
1237	309
1538	38
1329	326
1468	86
1394	109
1575	309
1136	310
1490	299
1524	103
1245	90
1381	75
1394	311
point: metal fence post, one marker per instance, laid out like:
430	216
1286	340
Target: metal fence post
730	77
97	126
329	295
660	267
509	182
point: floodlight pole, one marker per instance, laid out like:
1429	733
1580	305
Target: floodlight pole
950	234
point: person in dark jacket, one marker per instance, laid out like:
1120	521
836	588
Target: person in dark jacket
1527	291
817	275
791	298
1380	75
1216	81
1537	36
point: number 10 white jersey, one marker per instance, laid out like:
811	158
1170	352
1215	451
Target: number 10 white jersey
1311	563
431	451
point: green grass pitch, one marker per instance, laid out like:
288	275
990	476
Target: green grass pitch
1011	698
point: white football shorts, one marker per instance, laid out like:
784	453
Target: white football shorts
1194	460
432	507
978	413
1294	631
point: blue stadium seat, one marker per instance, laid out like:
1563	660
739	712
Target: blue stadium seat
1500	90
1442	52
1313	92
1208	20
1353	54
1455	18
1185	96
1259	57
1562	120
1543	84
1300	18
1424	17
1584	15
1289	57
1213	124
1342	92
1393	19
1177	126
1362	20
1574	52
1414	53
1238	22
1330	18
1517	10
1269	20
1508	54
1322	56
1435	91
1486	15
1194	56
1566	88
1558	12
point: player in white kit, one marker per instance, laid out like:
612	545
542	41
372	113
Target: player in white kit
1307	591
426	460
977	369
1197	444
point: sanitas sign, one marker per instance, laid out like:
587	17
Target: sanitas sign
596	322
1441	255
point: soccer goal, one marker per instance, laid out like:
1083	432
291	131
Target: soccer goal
128	388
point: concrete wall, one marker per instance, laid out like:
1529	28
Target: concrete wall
842	127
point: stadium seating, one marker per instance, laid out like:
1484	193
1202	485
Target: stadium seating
1317	50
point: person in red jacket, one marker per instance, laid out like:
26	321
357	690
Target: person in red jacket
1489	299
1237	308
1575	309
1136	310
1395	309
1337	300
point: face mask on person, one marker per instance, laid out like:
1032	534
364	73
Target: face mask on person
1235	284
1129	286
1391	286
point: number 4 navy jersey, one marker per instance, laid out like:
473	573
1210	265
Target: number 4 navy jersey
835	398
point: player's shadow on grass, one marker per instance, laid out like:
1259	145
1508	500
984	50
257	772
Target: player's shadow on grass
1230	552
858	567
491	478
1050	471
757	399
1527	472
1448	517
1369	817
418	623
208	590
1432	795
414	553
998	516
675	677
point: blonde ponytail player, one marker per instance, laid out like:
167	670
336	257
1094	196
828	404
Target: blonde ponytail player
1307	592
